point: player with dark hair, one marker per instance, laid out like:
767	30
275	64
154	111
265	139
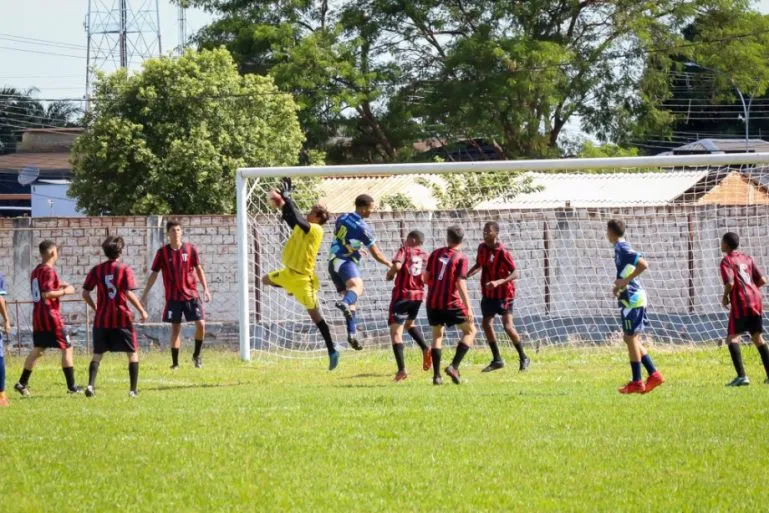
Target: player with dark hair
448	302
113	329
48	330
181	267
742	279
5	333
632	302
407	296
298	276
498	275
352	236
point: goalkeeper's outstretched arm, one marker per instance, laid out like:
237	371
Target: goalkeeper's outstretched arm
293	217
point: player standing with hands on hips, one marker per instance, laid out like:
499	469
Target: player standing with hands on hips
180	264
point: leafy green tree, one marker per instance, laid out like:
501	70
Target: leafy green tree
397	201
167	140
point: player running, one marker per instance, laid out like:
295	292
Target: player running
632	303
48	330
448	303
407	296
298	276
5	333
742	279
352	236
113	329
498	275
181	268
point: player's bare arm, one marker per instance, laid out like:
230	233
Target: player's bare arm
64	291
379	256
4	315
150	282
394	270
725	299
473	270
621	283
465	297
499	283
143	315
763	281
86	295
202	277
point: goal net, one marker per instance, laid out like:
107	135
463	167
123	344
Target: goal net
552	215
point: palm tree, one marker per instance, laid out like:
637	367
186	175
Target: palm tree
19	110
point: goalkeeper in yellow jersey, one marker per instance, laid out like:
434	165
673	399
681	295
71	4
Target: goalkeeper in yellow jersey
298	276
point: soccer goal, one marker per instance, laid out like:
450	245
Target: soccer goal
552	214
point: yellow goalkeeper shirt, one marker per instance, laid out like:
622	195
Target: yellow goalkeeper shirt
302	249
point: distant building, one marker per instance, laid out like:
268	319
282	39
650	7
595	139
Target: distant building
707	146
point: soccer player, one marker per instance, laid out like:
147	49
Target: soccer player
448	303
181	268
498	275
113	329
298	276
48	330
407	296
352	236
632	302
7	333
742	279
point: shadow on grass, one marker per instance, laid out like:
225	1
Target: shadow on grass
194	385
367	375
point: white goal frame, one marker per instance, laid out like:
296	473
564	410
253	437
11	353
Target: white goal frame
571	164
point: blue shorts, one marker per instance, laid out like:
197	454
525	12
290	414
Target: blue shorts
342	270
633	320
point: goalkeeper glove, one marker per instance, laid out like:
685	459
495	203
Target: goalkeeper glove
287	188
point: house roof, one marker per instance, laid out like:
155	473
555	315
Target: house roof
720	146
58	161
338	194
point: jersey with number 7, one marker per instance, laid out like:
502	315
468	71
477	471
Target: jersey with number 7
446	266
112	280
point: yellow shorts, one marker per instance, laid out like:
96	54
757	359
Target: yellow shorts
304	287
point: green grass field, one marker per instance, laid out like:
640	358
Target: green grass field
290	436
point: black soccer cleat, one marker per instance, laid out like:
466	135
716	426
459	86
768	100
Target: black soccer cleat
74	391
354	342
739	381
345	309
437	380
494	365
198	361
22	389
524	364
453	373
89	391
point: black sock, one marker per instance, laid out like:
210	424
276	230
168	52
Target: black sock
398	350
734	351
325	331
175	355
519	347
462	350
24	379
93	369
764	352
436	354
198	347
133	374
416	334
69	375
494	350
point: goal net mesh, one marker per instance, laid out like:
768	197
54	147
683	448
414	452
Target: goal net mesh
554	223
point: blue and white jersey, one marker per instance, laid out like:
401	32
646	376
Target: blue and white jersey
626	259
350	236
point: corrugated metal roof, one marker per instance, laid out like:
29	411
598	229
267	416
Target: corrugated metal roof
721	145
600	190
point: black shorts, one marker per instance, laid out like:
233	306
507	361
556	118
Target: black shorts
491	307
58	339
192	310
114	340
752	324
402	310
447	318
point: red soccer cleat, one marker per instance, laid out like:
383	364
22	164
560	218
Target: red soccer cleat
633	387
654	380
400	376
427	360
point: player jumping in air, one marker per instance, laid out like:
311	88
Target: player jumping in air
632	303
351	237
742	279
448	303
48	330
498	275
407	296
5	333
298	276
181	268
113	329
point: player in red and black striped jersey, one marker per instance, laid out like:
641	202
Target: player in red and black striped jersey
448	302
180	264
742	279
113	323
48	330
407	296
498	275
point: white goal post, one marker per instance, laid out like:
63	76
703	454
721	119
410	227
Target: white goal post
552	214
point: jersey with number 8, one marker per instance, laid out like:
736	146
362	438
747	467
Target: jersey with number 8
409	283
46	316
112	280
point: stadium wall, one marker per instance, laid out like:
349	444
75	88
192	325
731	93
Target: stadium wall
565	261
